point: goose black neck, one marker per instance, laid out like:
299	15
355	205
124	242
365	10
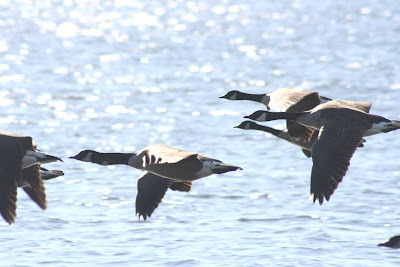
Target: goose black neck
284	115
266	129
111	158
263	115
251	97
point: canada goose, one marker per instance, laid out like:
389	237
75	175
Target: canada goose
165	167
20	166
394	242
341	128
305	145
288	100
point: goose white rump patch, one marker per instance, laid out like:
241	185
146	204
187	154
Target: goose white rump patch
207	169
378	128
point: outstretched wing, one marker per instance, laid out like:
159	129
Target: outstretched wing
151	189
331	154
299	132
363	106
181	186
289	100
165	154
296	101
8	195
35	190
11	154
183	169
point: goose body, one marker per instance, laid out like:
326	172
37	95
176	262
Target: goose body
164	167
20	167
341	128
393	242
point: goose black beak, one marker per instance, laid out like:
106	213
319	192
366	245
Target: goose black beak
56	158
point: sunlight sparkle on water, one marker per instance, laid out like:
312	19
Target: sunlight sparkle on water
67	29
224	112
110	57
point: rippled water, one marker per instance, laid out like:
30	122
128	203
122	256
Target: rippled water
121	75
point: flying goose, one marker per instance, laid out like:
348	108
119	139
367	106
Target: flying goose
20	167
288	100
284	135
394	242
341	128
164	167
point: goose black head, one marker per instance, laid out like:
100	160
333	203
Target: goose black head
85	155
231	95
259	115
245	125
393	242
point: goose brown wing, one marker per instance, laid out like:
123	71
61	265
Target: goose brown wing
181	186
25	141
165	154
331	154
300	132
298	101
11	155
294	101
304	101
363	106
8	195
35	190
151	189
183	169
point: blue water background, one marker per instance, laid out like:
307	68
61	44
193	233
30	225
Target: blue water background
116	76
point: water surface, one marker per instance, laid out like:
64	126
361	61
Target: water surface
117	76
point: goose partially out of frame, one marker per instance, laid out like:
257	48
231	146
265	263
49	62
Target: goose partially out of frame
20	167
341	128
393	242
